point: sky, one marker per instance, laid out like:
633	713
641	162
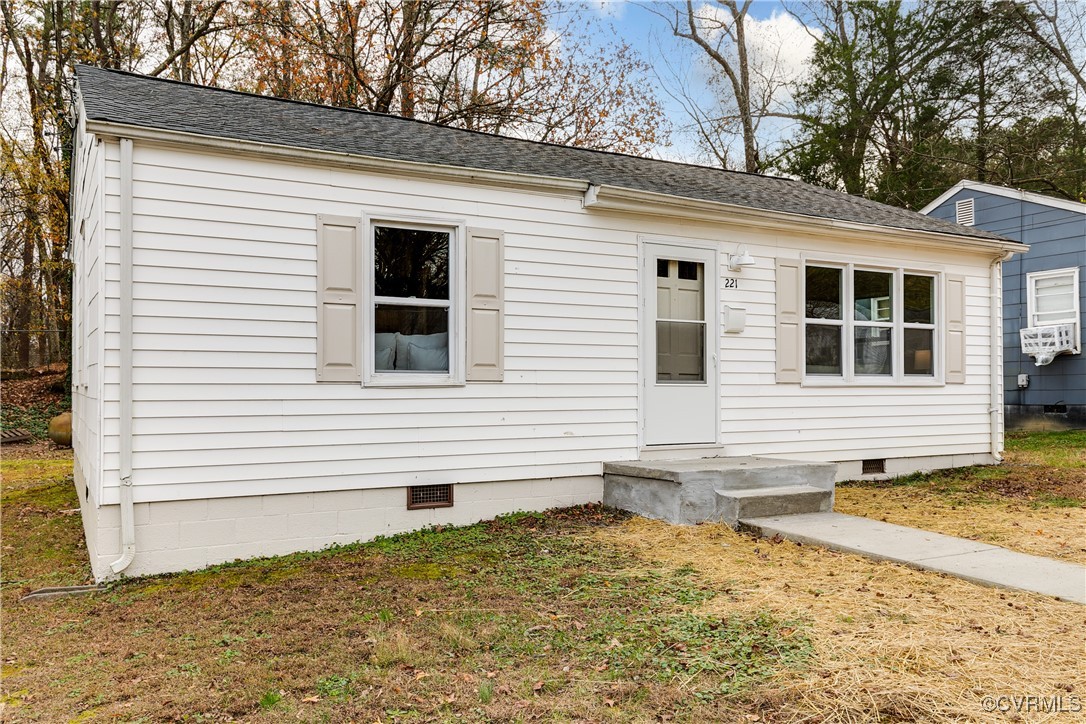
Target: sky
778	36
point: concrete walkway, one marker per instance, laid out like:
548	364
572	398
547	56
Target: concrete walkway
978	562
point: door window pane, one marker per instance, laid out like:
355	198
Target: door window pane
681	298
919	352
919	299
874	351
411	263
823	349
823	293
680	352
873	292
690	270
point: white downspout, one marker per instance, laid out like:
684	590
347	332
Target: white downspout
128	528
995	408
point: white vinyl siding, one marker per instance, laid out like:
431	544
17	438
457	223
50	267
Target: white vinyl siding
225	342
88	225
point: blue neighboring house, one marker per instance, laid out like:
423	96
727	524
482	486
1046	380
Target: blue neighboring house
1044	292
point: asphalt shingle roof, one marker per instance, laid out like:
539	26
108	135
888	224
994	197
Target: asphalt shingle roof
137	100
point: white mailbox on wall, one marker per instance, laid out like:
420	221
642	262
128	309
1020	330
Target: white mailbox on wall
735	319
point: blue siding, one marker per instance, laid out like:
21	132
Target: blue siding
1057	239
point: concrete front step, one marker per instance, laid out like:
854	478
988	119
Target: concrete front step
718	489
730	473
736	505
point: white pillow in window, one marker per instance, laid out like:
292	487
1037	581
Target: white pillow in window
384	350
422	341
434	359
382	358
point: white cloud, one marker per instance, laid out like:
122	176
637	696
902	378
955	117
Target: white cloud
780	45
779	48
608	8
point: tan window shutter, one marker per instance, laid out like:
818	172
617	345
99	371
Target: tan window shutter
955	329
339	250
789	320
486	305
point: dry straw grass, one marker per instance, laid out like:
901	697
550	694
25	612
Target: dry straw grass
1049	531
891	643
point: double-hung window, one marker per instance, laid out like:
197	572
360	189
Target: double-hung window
866	324
411	303
1053	298
408	302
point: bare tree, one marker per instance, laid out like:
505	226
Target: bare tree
1059	28
723	40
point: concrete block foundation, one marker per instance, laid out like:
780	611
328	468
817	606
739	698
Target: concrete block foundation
183	535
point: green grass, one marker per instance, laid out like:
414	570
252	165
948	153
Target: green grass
1061	449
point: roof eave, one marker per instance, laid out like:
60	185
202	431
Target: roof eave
648	202
607	197
337	158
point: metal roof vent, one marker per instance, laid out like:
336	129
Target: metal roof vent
963	212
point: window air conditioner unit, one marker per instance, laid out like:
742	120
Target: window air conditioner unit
1044	343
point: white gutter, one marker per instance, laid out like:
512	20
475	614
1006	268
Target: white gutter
128	529
995	408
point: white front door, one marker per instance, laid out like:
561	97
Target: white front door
681	403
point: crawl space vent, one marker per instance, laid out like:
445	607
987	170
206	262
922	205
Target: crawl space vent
963	212
429	496
872	467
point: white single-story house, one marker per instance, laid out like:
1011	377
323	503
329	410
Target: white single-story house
297	325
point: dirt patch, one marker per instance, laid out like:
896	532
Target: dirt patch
1019	481
35	450
30	387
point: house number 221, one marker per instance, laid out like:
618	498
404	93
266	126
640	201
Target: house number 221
731	283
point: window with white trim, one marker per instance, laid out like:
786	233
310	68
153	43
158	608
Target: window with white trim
411	297
1053	298
866	324
409	302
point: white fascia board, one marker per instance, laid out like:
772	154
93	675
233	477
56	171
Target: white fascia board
1009	193
646	202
